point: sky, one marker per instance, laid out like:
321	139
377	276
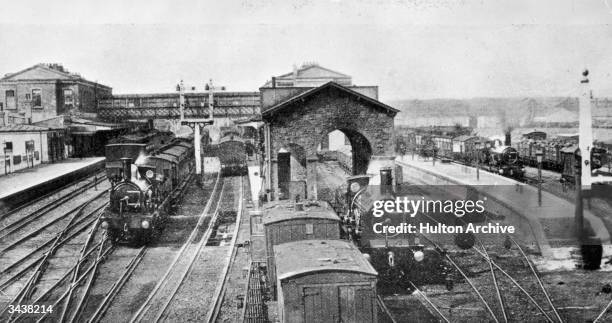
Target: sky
411	49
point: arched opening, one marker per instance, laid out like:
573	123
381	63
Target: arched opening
349	148
341	153
292	173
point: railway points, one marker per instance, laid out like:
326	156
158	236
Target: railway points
519	197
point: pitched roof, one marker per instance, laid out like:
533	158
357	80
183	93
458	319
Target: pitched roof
22	128
44	67
327	85
311	72
52	73
311	69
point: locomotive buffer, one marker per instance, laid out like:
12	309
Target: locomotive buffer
197	123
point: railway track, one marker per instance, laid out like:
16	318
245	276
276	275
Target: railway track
488	283
35	251
52	263
49	201
172	296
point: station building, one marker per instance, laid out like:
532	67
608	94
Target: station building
25	146
44	91
301	122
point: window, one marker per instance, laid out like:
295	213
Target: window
28	97
10	100
29	145
36	98
68	97
8	147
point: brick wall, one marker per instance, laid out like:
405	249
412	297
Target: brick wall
48	107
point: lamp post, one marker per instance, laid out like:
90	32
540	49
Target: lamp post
539	154
433	154
478	147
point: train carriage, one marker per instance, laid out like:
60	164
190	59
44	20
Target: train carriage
231	151
325	281
572	156
444	145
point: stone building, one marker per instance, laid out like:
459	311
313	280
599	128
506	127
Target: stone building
309	75
297	120
44	91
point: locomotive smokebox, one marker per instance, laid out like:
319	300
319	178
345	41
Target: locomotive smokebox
126	164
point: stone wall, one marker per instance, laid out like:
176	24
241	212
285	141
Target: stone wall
306	123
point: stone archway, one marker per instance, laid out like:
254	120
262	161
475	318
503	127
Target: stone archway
305	118
360	149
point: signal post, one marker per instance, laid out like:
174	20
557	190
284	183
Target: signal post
197	123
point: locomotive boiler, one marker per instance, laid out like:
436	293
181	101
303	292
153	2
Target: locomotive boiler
144	188
505	161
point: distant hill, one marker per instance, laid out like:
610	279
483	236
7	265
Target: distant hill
508	111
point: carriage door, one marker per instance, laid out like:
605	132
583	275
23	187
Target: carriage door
356	303
320	304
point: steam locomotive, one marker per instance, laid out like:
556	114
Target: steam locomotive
145	183
399	258
232	151
504	160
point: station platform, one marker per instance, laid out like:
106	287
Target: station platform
44	178
255	181
516	196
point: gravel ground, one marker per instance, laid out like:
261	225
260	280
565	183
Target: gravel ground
156	260
236	280
196	295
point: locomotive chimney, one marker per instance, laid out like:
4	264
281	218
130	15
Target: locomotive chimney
386	180
508	139
126	164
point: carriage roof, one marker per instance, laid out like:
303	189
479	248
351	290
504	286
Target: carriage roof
284	212
308	256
